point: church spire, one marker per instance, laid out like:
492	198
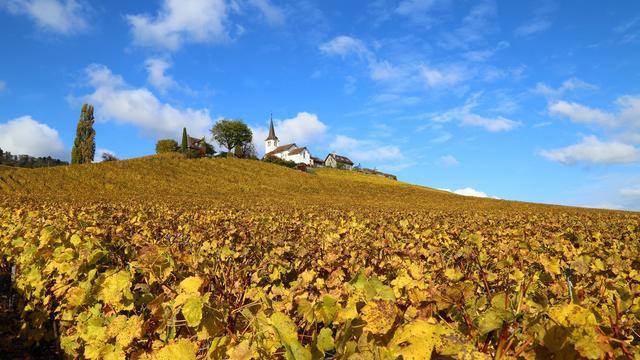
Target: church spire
272	131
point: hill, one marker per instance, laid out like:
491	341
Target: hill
218	182
164	257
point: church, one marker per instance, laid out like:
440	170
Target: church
288	152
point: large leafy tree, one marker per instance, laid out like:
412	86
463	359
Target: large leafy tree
84	146
230	133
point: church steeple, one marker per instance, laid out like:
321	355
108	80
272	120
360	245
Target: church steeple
271	142
272	131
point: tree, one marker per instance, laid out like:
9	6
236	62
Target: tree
183	146
230	133
237	151
84	146
208	148
166	145
108	157
249	151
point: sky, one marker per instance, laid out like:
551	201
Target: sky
533	101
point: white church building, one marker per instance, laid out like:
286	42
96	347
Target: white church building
288	152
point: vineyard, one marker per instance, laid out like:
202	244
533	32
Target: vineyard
168	258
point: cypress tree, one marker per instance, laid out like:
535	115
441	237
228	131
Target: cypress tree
84	146
183	146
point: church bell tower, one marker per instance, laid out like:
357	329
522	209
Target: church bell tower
271	142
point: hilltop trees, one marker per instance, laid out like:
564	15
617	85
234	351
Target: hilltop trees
84	146
230	133
166	145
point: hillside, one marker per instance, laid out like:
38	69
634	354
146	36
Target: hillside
167	258
218	182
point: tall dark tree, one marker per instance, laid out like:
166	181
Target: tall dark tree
230	133
84	146
183	145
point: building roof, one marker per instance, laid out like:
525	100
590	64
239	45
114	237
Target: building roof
280	149
297	151
316	159
340	159
193	142
272	131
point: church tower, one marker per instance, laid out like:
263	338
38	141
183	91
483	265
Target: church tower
271	142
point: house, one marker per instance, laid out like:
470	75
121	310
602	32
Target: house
317	162
339	162
288	152
196	144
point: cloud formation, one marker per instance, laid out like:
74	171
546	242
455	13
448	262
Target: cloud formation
592	150
364	150
272	13
60	16
156	69
465	116
571	84
449	161
581	114
179	22
26	136
115	100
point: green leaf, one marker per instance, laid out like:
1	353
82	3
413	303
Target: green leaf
325	340
288	334
490	320
192	310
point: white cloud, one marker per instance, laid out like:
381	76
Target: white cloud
581	114
631	192
449	161
26	136
115	100
156	69
304	129
532	27
3	86
471	192
483	55
345	45
567	85
490	124
273	14
181	21
468	191
629	110
61	16
364	150
592	150
466	117
478	23
441	77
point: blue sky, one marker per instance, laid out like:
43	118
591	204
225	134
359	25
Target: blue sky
536	101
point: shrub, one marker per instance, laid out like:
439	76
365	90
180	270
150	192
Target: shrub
166	145
276	160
